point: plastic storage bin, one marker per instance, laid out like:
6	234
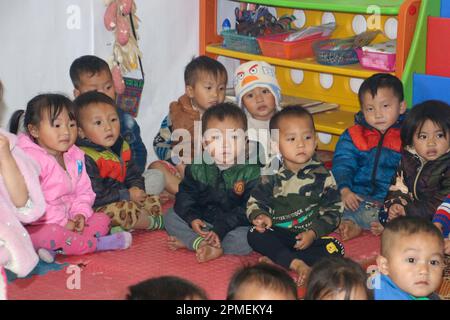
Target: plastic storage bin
275	46
234	41
327	52
376	60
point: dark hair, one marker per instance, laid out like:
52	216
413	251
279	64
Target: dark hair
434	110
14	121
86	64
224	110
51	103
407	225
288	112
88	98
333	275
381	80
165	288
264	276
203	64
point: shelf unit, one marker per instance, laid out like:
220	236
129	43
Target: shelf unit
345	79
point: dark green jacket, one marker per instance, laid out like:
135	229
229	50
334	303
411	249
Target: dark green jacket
215	196
299	202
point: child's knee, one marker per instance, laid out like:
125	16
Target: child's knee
102	222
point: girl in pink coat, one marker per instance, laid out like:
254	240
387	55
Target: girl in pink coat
69	225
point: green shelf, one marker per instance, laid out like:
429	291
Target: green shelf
387	7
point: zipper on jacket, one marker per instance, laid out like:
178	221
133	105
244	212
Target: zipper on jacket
419	171
377	159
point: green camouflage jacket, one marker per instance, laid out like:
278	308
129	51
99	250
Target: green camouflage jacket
299	202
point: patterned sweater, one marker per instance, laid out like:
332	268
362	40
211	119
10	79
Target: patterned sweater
308	200
442	216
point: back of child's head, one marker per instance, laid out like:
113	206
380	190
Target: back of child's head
166	288
436	111
50	103
261	282
378	81
337	277
253	74
203	64
289	112
91	98
89	65
407	226
221	111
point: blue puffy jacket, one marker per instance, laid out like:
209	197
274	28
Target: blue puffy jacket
365	159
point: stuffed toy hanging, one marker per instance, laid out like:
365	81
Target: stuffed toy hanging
120	18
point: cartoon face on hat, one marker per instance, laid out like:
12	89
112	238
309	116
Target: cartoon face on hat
255	74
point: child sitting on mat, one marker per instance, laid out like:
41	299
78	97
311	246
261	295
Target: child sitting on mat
116	180
69	225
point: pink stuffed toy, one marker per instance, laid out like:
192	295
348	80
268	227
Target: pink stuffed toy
16	250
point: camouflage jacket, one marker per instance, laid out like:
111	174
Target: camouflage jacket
299	202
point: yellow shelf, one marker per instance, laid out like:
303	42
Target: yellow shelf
309	64
334	121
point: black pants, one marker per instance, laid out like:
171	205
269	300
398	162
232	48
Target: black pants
278	245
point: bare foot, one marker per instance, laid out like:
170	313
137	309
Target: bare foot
265	259
349	230
376	228
207	252
175	244
302	270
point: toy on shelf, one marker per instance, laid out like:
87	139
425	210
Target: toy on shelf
120	18
380	56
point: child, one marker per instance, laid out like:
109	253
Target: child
209	212
411	260
367	154
166	288
261	282
68	225
258	93
115	178
205	83
337	279
293	209
423	178
442	221
21	201
90	73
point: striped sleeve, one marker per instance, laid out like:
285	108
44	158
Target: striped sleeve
442	216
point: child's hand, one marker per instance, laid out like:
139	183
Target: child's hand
395	211
137	195
351	200
304	240
80	222
5	152
213	239
70	225
197	226
180	168
262	222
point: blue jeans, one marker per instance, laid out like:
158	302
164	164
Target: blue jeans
234	242
366	213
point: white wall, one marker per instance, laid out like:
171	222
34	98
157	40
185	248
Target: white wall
37	47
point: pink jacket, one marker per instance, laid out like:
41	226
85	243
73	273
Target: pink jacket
66	193
16	250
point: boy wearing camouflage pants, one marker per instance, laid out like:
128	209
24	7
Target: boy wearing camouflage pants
294	209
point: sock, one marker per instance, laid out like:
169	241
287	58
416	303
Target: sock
197	242
156	223
46	255
116	241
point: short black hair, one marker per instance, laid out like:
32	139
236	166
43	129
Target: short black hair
203	64
434	110
407	225
265	276
289	112
165	288
52	103
378	81
333	275
88	98
221	111
86	64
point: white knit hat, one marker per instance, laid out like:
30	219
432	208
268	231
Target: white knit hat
255	74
